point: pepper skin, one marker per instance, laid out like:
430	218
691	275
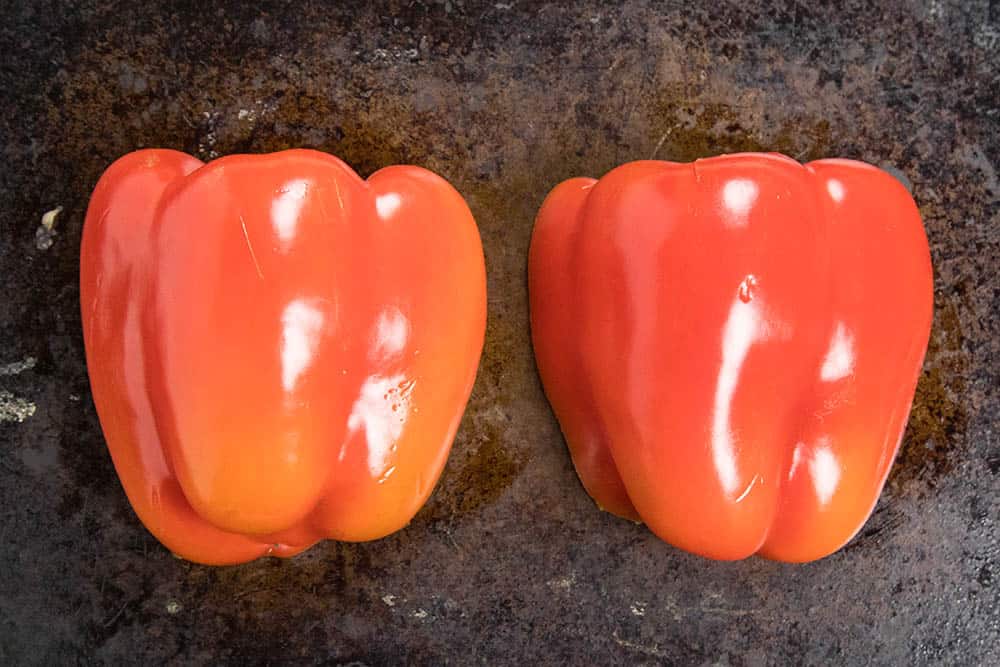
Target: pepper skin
279	351
731	346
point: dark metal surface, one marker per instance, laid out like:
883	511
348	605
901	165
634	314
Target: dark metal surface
509	562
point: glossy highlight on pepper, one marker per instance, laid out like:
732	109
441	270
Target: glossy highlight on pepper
279	351
731	346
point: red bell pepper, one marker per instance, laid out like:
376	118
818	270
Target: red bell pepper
731	346
279	351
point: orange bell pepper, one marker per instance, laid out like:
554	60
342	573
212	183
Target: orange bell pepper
731	346
279	351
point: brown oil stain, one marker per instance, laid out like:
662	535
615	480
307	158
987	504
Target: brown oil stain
488	472
477	474
303	119
938	420
690	131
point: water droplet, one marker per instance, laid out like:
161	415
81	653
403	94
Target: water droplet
747	287
385	476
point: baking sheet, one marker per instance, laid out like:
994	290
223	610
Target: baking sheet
509	562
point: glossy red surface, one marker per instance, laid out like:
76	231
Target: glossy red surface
731	346
279	351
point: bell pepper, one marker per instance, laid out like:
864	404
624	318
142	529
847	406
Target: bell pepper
731	346
279	351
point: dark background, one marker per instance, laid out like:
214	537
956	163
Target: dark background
509	562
